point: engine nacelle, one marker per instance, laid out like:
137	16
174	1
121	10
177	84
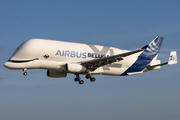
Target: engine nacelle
55	74
75	68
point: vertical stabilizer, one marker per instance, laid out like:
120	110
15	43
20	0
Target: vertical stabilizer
146	56
153	48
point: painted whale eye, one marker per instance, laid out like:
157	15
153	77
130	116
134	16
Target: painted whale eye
46	56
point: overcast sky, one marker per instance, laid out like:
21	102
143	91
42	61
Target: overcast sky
125	24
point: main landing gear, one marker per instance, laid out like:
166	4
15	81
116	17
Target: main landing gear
88	76
92	79
78	79
25	72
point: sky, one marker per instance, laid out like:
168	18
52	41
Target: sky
124	24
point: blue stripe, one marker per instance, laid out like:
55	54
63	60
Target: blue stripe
146	56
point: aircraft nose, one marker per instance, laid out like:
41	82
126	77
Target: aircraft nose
6	64
10	65
14	66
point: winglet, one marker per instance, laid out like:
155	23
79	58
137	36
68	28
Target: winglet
172	58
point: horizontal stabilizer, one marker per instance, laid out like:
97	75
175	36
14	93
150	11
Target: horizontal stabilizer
172	58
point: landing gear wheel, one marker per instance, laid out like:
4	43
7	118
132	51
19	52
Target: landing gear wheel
76	79
88	76
81	82
92	79
25	73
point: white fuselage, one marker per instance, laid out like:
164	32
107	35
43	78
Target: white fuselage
53	55
60	58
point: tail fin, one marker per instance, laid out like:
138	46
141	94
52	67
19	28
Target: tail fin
153	48
172	58
146	56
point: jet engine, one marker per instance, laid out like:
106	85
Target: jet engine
75	68
55	74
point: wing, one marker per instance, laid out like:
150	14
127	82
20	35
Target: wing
94	64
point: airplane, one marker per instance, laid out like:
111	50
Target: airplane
60	58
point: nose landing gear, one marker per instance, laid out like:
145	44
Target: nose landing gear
25	73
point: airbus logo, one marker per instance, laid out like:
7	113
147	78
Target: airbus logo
84	55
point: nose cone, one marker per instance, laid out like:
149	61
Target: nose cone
14	66
7	65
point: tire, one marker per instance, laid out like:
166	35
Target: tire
81	82
88	76
25	73
76	79
92	79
